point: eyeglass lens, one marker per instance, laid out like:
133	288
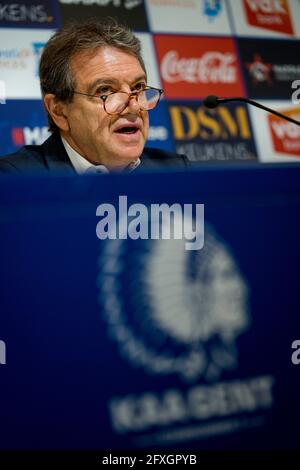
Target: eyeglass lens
117	102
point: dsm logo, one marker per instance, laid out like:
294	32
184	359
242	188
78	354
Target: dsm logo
172	311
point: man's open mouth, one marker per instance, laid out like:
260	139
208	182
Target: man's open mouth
127	130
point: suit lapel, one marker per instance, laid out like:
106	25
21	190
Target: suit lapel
56	157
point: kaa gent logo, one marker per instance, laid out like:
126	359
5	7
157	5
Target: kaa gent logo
170	310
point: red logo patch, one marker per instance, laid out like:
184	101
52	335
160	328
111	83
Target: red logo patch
17	136
286	135
269	14
193	67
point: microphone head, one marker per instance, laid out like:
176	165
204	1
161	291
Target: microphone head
211	101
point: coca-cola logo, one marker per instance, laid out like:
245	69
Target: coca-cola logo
211	67
193	67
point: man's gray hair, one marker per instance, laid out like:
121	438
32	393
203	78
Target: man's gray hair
55	65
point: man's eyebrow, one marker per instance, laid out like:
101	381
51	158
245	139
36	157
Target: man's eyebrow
111	81
101	81
141	77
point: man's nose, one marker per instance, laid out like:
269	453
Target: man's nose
133	105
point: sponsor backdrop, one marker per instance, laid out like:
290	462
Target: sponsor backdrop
247	48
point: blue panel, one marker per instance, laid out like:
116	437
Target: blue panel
22	122
138	344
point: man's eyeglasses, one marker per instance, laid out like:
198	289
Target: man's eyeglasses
116	102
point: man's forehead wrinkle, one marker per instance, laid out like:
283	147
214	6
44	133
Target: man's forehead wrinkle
101	62
84	69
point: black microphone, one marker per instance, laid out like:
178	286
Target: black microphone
213	101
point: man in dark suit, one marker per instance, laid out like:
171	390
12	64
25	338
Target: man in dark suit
95	91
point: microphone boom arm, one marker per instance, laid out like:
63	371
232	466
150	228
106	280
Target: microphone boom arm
213	101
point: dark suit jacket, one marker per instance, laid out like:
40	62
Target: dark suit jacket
51	156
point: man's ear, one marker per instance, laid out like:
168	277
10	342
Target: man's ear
56	109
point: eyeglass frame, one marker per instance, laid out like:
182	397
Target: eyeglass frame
133	93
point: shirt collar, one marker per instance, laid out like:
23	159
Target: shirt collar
82	165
